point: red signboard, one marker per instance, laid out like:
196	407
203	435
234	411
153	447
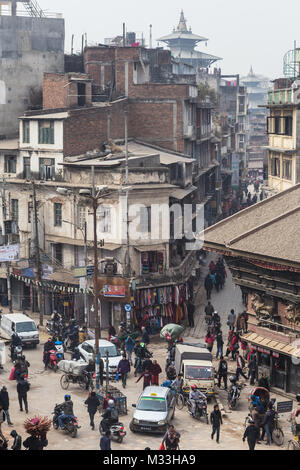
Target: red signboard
114	291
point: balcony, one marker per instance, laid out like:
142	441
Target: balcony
284	96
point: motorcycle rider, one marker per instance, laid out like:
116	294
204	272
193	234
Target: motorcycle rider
177	384
67	411
76	355
48	346
15	341
110	416
141	352
196	397
234	389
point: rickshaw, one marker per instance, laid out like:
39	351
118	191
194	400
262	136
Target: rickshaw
264	395
294	443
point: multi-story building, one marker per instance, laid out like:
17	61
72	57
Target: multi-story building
31	43
284	136
257	88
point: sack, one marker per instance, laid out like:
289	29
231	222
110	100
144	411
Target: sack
12	375
162	446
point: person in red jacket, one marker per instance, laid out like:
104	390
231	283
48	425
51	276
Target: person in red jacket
155	371
147	378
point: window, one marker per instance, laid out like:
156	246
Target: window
46	132
288	126
287	169
15	210
58	252
47	168
57	214
81	94
145	220
275	167
26	132
277	126
152	262
26	168
105	219
81	216
10	163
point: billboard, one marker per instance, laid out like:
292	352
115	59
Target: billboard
9	253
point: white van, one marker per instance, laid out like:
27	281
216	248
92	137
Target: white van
22	325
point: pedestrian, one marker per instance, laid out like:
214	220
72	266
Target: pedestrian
106	400
22	389
219	281
3	444
155	371
264	381
111	331
93	403
268	424
240	364
220	343
209	340
208	284
4	401
124	369
17	445
216	421
252	370
209	309
234	345
147	378
171	439
191	311
245	317
2	420
222	372
145	336
231	320
212	266
129	346
101	370
105	441
251	434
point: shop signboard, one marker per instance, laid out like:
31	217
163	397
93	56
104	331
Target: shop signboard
285	406
9	253
114	291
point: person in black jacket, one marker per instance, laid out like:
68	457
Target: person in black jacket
222	372
34	443
17	445
92	402
216	421
22	389
251	434
4	401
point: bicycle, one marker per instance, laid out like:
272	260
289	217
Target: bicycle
277	433
180	400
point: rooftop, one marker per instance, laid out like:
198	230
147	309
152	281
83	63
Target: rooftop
267	230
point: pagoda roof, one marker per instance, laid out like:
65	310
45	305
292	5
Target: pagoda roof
187	35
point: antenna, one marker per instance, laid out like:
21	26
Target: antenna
150	41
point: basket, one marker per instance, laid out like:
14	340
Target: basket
121	400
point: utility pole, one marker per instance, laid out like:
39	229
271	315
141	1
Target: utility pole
96	293
4	214
86	263
128	267
37	256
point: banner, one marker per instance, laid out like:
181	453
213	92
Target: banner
9	253
235	166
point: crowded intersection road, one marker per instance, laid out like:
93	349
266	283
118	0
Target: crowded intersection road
46	391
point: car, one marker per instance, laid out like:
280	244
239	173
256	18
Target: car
154	411
87	350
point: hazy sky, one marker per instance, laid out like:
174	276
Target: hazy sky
243	32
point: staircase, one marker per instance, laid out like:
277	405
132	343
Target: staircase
33	8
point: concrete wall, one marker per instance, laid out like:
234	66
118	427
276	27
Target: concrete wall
28	48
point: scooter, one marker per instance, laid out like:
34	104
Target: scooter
117	432
234	395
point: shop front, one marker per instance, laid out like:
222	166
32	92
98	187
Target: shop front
158	306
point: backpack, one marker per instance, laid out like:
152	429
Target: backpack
114	414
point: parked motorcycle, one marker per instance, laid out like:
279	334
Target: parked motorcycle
70	425
200	410
117	432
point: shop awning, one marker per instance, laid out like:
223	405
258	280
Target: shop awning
142	249
180	193
63	277
80	242
269	343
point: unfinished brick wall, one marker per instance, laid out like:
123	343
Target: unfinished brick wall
60	91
